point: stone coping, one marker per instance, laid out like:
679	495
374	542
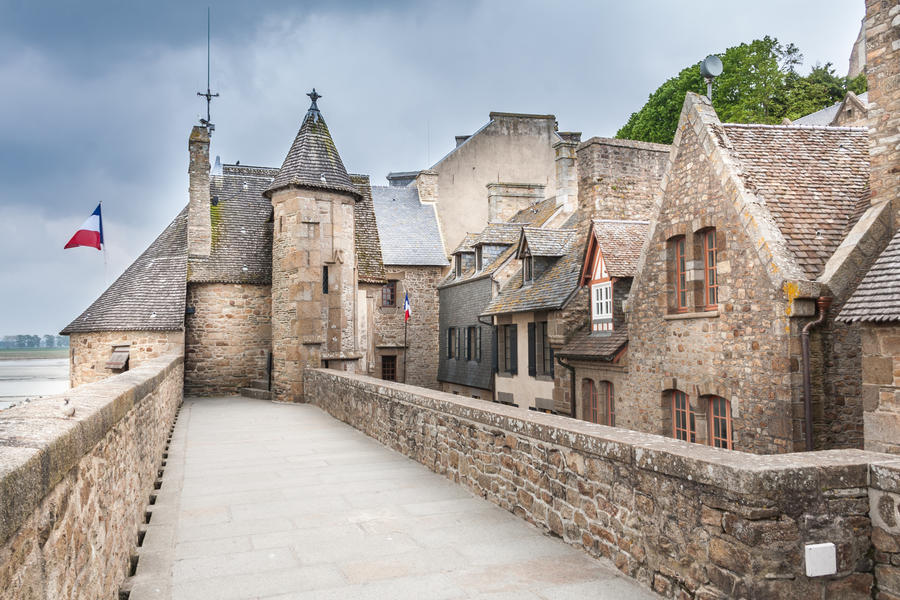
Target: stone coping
38	445
739	472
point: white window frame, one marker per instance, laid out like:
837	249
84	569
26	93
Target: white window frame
601	305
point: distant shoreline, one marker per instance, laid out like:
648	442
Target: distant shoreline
27	353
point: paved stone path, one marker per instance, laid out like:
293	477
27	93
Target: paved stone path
264	500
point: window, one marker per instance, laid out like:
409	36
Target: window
451	342
528	269
457	347
680	272
507	351
719	422
608	402
478	344
389	294
546	351
590	410
478	258
325	279
601	306
711	284
389	368
458	265
473	343
682	417
540	355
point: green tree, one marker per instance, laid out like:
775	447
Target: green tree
759	84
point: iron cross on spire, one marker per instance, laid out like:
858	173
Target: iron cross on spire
208	95
313	95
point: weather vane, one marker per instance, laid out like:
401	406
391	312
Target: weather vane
208	95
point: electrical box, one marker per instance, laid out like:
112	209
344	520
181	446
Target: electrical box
821	559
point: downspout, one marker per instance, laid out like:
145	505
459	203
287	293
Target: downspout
822	303
571	370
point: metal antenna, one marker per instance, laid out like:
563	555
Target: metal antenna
208	95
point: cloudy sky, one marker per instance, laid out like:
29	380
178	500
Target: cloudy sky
98	98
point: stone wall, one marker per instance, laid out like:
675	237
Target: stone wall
227	337
884	508
88	352
688	520
881	386
422	335
619	179
73	491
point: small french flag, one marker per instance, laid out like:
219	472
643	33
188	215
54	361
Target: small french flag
90	233
406	310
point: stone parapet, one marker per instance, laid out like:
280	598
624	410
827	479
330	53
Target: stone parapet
73	490
89	352
688	520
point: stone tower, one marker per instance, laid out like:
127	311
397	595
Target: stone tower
314	280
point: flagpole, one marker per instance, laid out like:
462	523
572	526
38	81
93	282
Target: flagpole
103	246
405	345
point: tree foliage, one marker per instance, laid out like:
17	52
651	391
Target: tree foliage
759	84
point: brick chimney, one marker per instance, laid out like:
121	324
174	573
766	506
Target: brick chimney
199	236
427	184
566	171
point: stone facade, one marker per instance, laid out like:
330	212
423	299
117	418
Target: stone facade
882	35
313	242
73	491
199	229
507	199
421	362
89	352
228	336
688	520
619	179
881	386
884	511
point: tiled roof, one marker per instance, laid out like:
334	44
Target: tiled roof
466	244
877	297
408	229
549	292
241	224
150	294
536	214
811	180
499	234
370	268
826	115
620	242
313	160
547	242
602	345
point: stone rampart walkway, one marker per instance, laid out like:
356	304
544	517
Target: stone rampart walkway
264	500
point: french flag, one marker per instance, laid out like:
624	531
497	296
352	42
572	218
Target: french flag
90	233
406	308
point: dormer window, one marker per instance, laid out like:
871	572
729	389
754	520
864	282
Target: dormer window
478	259
528	269
459	265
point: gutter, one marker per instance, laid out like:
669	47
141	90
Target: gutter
571	370
822	303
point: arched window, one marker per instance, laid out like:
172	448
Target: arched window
590	401
608	403
683	427
719	418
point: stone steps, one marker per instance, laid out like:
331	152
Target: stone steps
259	394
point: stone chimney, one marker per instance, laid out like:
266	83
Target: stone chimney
566	171
506	199
198	233
427	184
882	35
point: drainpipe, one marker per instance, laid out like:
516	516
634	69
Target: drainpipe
571	370
822	303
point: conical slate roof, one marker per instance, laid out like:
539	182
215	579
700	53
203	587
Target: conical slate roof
313	160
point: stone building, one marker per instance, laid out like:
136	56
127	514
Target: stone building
414	264
852	111
759	230
596	356
482	264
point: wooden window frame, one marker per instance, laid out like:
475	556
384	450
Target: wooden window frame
389	294
478	344
389	365
471	336
714	417
479	259
510	349
546	367
451	339
710	273
688	431
528	269
610	402
590	400
680	271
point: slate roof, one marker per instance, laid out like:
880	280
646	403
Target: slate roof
241	225
466	245
877	297
499	234
313	160
536	214
547	242
620	242
370	268
826	115
811	180
150	294
603	345
407	228
549	292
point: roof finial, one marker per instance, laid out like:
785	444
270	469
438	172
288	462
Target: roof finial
208	95
314	96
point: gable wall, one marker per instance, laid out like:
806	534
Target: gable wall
742	353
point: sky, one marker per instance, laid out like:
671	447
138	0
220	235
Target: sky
98	99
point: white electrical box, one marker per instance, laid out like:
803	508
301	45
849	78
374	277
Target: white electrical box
821	559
